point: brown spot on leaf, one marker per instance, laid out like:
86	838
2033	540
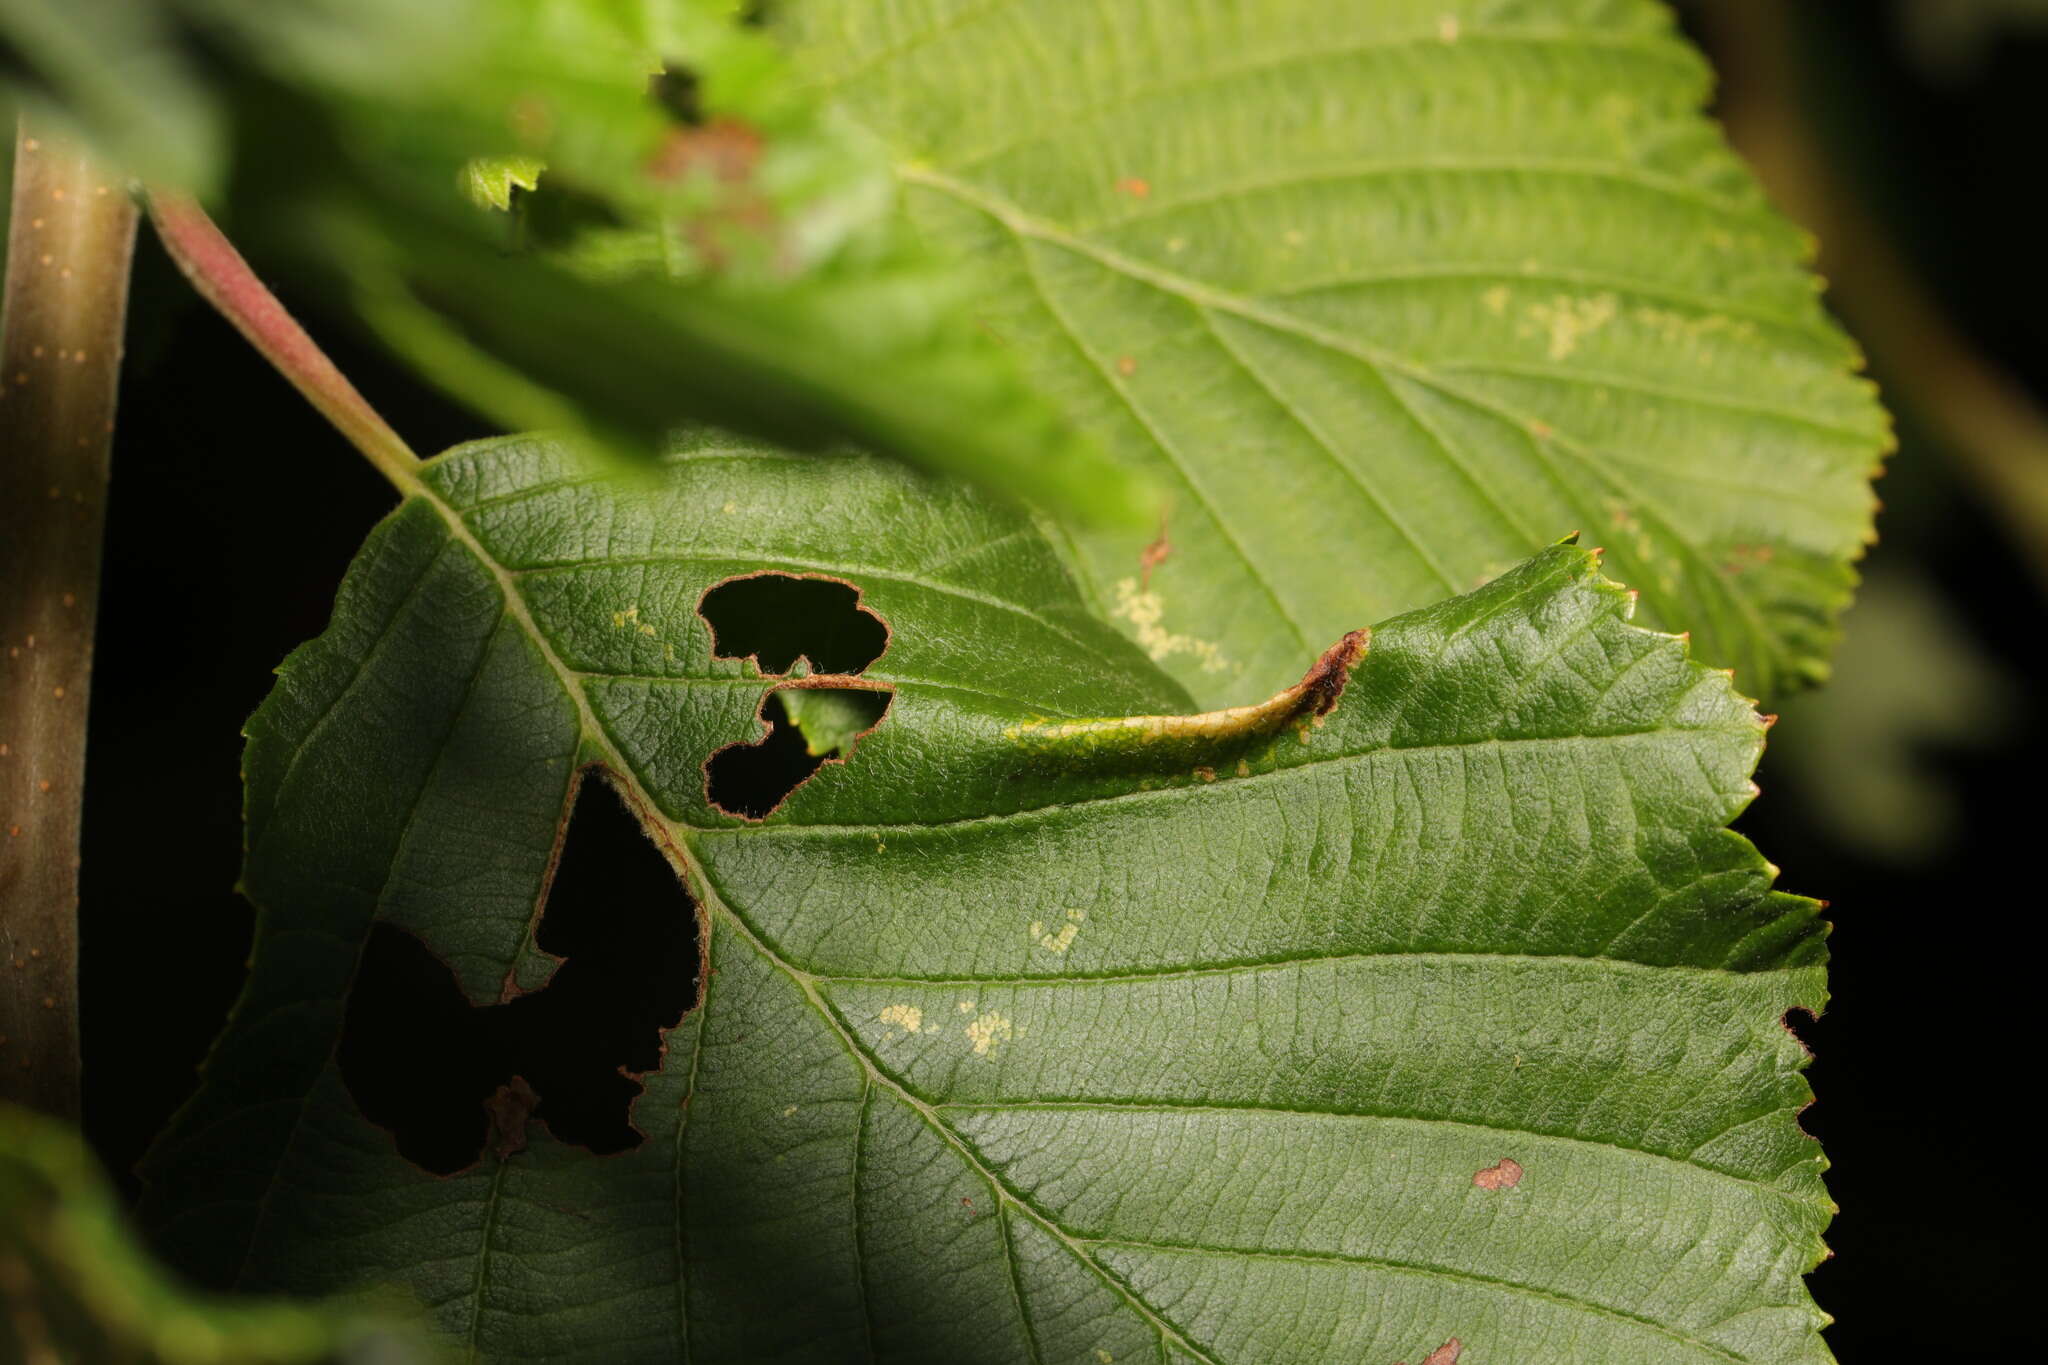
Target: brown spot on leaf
1153	555
1324	682
1504	1174
1446	1354
725	147
1134	186
509	1108
1126	365
726	153
1206	774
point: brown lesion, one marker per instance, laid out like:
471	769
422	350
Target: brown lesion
719	159
1153	555
1323	685
1314	697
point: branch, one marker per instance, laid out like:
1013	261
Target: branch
69	247
225	280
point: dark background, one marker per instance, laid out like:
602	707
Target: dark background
235	510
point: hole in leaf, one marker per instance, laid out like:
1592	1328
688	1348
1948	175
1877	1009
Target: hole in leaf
778	618
677	90
423	1062
415	1054
808	727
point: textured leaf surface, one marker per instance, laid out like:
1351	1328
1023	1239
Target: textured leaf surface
1389	295
1010	1053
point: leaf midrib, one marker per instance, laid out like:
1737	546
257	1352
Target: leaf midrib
676	848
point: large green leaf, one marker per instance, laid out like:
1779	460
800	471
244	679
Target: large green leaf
1389	294
1454	1017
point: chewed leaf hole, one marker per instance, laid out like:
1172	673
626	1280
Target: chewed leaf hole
778	618
678	91
808	727
424	1063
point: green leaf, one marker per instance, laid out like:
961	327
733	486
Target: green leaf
798	308
74	1286
829	718
1025	1037
1387	296
109	66
490	180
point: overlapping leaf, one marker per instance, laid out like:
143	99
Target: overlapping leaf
1456	1017
1389	295
74	1286
781	293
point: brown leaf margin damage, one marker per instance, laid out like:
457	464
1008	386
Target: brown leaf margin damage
1315	696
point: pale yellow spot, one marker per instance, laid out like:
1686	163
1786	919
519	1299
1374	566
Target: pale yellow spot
647	631
730	508
1176	245
965	1007
1677	327
1447	31
1061	939
989	1029
630	616
907	1017
1294	237
1496	300
1567	320
787	1110
1145	611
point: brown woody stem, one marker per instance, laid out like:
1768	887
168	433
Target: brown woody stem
70	242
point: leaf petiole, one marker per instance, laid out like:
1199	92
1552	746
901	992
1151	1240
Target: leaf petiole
223	278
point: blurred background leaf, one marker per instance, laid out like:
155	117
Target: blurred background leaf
74	1285
1910	684
707	240
1948	39
1914	171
